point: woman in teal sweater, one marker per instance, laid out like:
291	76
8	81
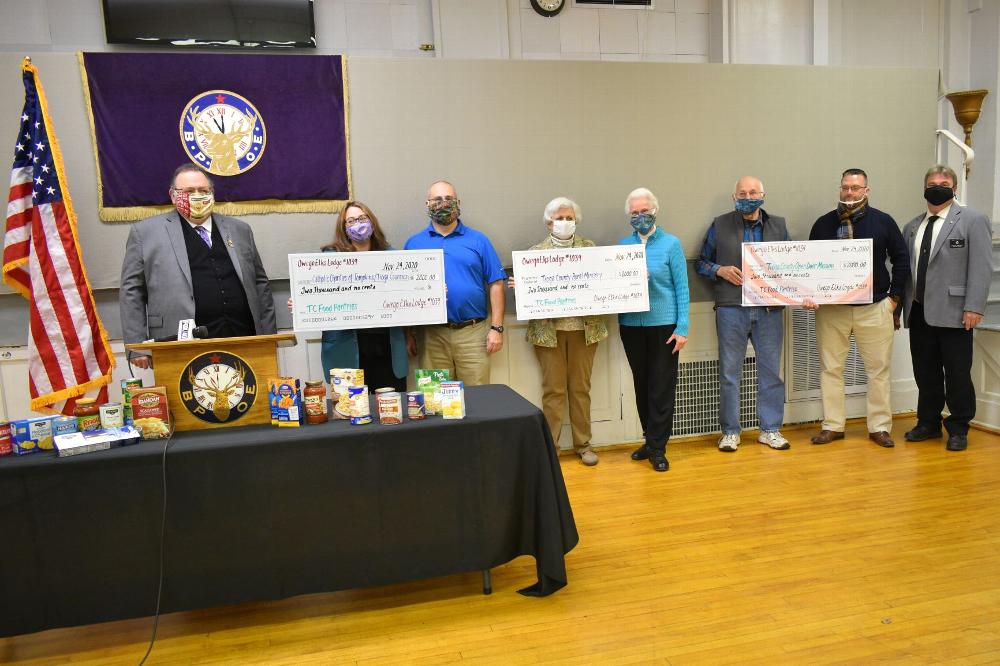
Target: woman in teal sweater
652	339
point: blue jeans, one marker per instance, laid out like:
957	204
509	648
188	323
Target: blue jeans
735	325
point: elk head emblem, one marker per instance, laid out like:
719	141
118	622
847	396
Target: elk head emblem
220	407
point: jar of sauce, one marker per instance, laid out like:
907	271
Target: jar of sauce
314	400
88	414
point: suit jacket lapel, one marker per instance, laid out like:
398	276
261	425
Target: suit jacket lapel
949	226
227	238
176	235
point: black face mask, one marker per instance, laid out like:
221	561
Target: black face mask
938	194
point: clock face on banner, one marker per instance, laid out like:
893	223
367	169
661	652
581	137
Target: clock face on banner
218	387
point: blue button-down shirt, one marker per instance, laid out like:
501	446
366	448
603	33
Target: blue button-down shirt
470	264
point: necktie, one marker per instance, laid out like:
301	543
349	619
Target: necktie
924	257
205	236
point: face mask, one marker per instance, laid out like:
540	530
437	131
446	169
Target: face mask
748	206
563	229
643	222
444	212
938	194
196	206
360	231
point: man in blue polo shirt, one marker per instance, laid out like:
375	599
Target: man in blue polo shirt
471	268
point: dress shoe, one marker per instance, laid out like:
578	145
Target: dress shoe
658	460
957	443
922	432
882	438
641	453
827	436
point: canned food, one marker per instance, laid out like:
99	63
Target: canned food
390	408
112	415
5	446
128	386
415	405
360	410
385	389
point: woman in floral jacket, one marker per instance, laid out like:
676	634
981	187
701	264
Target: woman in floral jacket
566	346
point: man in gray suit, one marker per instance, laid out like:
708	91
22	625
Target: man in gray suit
950	249
191	264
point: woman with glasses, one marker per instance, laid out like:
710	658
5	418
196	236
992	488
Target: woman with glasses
565	347
652	339
380	352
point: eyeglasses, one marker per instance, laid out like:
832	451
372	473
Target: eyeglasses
194	190
351	221
440	200
853	188
752	194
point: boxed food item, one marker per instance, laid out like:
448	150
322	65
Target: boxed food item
75	443
40	430
286	401
342	379
5	446
20	438
429	381
150	412
63	425
453	400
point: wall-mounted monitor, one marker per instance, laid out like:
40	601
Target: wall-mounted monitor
211	23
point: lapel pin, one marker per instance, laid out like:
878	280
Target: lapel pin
229	241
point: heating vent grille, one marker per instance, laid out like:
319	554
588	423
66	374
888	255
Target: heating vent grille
697	406
802	366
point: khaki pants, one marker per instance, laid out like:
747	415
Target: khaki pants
873	332
566	370
461	351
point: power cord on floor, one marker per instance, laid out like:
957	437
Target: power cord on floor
163	533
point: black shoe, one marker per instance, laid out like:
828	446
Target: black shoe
957	443
922	432
658	460
641	453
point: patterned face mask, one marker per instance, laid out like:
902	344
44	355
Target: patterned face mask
193	205
748	206
643	222
360	231
443	212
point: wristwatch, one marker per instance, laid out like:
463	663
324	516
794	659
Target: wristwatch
498	329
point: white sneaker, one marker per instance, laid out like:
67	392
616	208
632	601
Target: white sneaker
729	442
774	440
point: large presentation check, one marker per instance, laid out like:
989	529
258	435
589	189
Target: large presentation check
337	290
572	282
785	273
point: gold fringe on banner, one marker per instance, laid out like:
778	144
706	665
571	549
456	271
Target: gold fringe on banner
250	207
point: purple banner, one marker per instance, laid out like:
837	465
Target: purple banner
268	127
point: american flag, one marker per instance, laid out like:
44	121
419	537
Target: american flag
69	354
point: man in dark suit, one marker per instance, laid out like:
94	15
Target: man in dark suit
193	264
950	249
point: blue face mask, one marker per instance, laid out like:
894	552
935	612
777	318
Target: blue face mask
748	206
643	222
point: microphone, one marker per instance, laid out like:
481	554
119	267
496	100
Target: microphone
200	332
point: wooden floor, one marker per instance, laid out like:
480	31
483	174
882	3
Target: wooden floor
845	553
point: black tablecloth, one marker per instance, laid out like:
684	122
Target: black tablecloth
261	513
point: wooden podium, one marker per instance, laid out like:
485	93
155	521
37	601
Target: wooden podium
219	382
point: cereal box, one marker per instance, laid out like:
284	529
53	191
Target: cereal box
453	400
286	401
150	412
429	382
